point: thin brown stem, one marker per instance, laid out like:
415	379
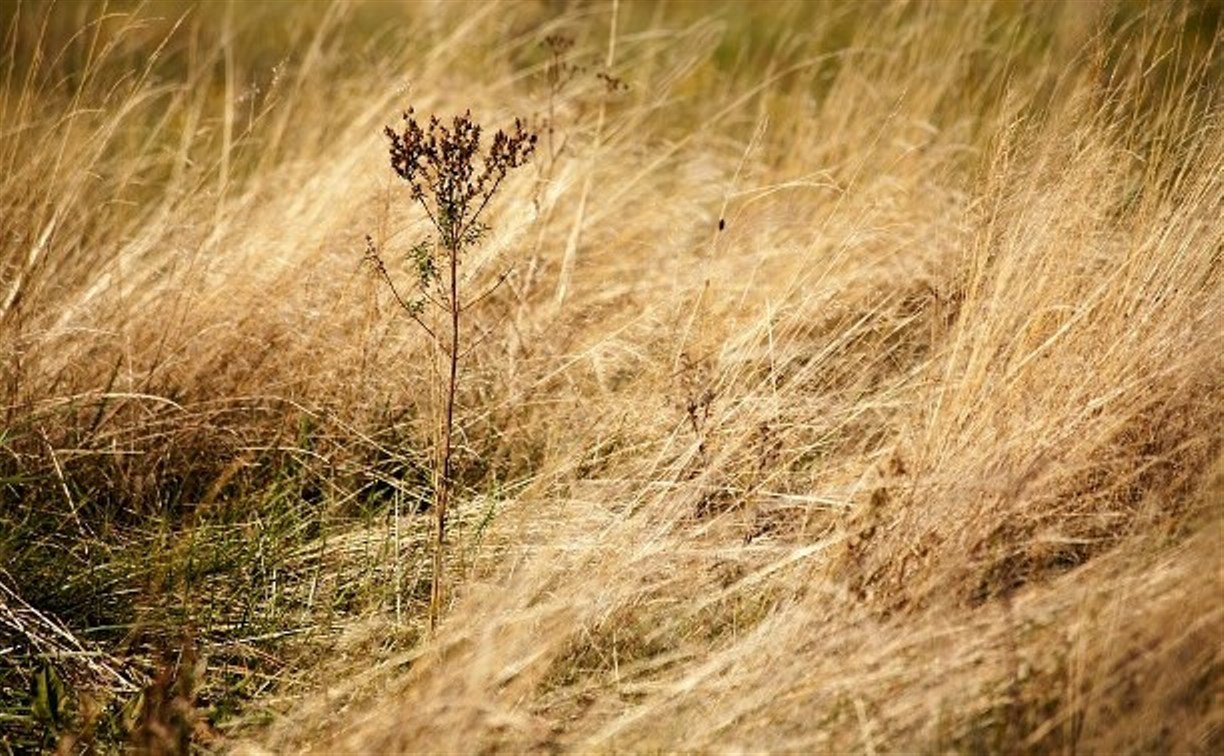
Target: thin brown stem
443	480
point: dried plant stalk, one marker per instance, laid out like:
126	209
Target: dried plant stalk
453	180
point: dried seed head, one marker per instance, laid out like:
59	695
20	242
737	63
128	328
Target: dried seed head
558	43
446	171
612	84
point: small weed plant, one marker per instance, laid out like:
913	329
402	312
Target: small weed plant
453	180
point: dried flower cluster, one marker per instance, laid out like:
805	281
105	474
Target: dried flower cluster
447	172
612	84
558	71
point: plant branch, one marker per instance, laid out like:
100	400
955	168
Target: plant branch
407	307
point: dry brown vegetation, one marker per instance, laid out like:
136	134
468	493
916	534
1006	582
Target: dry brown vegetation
856	386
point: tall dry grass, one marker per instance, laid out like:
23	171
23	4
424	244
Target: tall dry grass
920	451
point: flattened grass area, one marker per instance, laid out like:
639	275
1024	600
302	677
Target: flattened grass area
855	384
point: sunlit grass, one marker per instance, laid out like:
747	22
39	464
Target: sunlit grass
856	385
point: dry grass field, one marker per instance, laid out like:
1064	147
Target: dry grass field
851	380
